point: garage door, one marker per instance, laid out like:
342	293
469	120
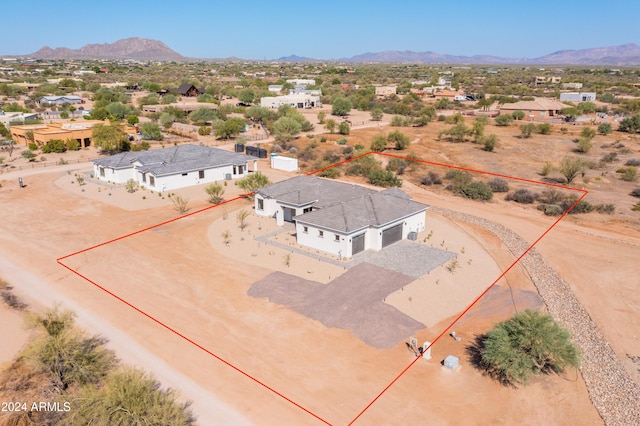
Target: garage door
391	235
357	244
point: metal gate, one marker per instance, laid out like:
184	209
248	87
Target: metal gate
391	235
357	244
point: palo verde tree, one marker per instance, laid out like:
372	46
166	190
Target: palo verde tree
65	353
128	397
253	182
529	343
109	138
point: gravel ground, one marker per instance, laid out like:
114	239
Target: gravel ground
353	301
612	391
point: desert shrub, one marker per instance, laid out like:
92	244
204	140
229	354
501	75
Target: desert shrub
400	121
323	139
605	208
330	173
584	145
503	120
498	185
33	146
635	193
604	128
522	196
341	141
384	178
398	139
636	207
610	157
344	128
632	162
293	150
54	145
552	209
276	148
544	129
489	143
347	150
517	115
458	177
628	174
526	130
362	166
550	196
431	178
474	190
397	165
581	207
73	145
546	168
441	117
204	130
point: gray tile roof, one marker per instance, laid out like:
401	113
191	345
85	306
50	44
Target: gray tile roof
372	210
341	206
304	190
174	160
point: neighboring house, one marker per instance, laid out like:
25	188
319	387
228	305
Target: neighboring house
301	101
541	80
275	88
539	108
301	82
7	118
43	133
572	86
188	90
187	107
578	96
449	94
59	100
341	218
384	91
173	168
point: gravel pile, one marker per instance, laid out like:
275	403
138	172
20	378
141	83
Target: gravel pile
612	391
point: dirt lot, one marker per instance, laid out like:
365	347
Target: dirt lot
180	275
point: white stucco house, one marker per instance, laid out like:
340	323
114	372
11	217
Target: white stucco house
300	100
341	218
176	167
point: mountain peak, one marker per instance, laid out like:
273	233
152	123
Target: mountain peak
128	48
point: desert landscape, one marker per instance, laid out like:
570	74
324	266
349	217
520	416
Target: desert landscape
183	294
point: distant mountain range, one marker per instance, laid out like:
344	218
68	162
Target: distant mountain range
145	49
142	49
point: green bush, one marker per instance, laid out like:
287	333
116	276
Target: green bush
330	173
73	145
341	141
475	191
384	178
544	129
458	177
54	145
629	174
503	120
33	146
604	128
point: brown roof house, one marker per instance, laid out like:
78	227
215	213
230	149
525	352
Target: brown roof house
538	108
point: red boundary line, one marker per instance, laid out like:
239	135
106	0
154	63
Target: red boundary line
197	345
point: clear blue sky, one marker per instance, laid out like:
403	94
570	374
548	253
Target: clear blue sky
324	29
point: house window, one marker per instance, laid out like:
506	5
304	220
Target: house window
240	169
307	210
260	204
152	181
336	237
321	234
102	171
305	229
200	174
235	170
144	178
